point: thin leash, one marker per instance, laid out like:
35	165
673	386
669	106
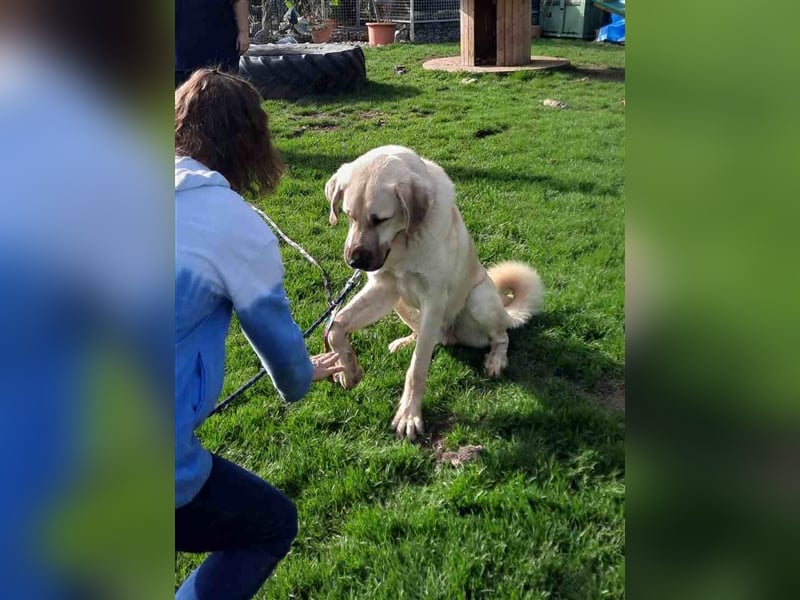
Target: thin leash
326	284
333	306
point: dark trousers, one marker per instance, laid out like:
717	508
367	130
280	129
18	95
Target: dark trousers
230	65
246	524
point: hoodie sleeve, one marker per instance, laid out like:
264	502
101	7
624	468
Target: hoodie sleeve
259	299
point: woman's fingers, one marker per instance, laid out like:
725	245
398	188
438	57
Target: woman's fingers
328	357
325	365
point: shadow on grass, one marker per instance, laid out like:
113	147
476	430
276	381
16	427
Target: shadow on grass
574	419
326	164
372	90
616	74
461	174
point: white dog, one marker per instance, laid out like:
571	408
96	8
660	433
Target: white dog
407	233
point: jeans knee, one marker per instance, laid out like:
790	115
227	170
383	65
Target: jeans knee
284	526
290	523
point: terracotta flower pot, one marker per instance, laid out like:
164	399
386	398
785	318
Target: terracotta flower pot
322	35
380	34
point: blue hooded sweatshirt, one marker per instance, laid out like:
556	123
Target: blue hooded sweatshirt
226	259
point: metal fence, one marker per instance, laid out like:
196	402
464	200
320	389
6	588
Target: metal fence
425	11
414	12
410	14
267	14
351	15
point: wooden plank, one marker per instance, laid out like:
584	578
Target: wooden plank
519	41
467	51
517	30
511	27
463	36
501	33
529	31
509	32
471	31
525	32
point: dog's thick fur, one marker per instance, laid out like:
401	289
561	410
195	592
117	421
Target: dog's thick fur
407	232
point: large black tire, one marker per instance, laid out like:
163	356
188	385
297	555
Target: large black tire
298	70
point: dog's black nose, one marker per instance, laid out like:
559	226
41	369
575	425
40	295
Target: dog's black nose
359	259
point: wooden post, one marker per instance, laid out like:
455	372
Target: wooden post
507	44
501	31
523	32
467	28
411	27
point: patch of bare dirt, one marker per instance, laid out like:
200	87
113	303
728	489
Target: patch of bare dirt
435	430
611	394
317	115
615	397
323	126
376	116
371	114
462	456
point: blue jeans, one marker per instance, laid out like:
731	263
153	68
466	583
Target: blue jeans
246	524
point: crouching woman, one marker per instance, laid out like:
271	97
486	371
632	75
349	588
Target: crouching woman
226	260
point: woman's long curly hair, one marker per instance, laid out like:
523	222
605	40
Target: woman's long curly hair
220	123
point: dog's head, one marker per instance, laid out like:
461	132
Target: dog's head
383	193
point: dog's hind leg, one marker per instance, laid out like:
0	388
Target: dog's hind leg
409	316
497	358
488	324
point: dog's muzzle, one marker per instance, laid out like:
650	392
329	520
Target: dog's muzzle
363	259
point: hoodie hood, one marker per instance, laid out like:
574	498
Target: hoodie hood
190	174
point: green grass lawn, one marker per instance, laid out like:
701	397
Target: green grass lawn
540	514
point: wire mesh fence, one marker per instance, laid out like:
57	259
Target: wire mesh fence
411	11
416	18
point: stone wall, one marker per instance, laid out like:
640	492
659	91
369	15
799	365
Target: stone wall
431	33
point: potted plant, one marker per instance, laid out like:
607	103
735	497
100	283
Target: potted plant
313	21
321	30
381	31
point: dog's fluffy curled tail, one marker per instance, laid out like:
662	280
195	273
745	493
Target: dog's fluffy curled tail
521	289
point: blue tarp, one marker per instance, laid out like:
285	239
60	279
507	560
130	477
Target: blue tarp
613	32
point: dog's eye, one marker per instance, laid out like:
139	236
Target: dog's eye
376	220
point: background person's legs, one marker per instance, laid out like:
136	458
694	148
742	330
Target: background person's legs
181	77
247	524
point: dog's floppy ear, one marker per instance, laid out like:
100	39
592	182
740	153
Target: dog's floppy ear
414	195
334	192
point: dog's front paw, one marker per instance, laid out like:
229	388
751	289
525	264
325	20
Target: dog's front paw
350	377
407	422
495	363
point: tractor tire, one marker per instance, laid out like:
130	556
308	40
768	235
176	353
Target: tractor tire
298	70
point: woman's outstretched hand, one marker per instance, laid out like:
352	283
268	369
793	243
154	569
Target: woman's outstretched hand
325	365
